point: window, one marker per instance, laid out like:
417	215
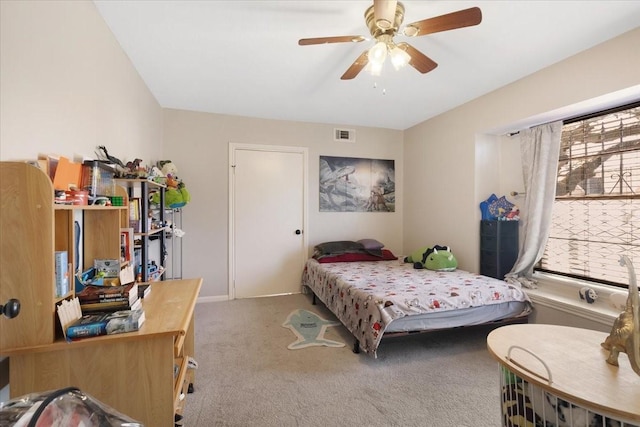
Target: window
596	214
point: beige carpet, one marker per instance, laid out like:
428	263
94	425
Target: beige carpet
248	377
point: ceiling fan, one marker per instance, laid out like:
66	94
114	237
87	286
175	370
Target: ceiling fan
383	20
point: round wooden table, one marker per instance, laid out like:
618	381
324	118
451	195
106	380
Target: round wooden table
576	369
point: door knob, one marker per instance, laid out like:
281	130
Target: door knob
11	308
298	231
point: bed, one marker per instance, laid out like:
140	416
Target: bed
386	296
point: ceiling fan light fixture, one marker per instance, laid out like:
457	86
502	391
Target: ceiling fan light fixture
384	13
374	69
384	19
399	58
378	53
383	24
410	31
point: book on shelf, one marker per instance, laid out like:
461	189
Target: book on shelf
134	214
96	324
126	245
62	273
110	306
108	298
97	293
134	210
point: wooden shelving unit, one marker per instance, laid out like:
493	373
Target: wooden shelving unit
32	229
132	372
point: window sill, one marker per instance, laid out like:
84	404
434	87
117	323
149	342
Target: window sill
561	293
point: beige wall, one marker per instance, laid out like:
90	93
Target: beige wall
67	86
457	152
199	145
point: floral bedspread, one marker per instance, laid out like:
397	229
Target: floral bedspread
367	296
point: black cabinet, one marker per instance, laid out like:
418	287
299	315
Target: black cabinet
498	247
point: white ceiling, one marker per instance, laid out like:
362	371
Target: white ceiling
242	57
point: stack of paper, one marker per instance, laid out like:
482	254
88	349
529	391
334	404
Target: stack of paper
69	311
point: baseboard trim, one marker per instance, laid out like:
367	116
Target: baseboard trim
217	298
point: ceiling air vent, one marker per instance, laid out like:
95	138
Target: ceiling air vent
345	135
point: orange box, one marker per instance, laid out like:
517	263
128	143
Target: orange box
68	175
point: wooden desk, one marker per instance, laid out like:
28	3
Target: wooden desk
577	362
131	372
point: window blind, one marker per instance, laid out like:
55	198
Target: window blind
596	214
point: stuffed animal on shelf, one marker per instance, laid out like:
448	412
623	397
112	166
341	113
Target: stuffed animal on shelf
514	215
168	168
176	195
437	258
156	175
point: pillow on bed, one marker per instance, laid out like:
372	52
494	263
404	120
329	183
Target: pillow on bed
371	244
337	248
343	247
386	255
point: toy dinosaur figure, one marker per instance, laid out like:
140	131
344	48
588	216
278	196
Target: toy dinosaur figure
625	334
119	168
134	165
112	159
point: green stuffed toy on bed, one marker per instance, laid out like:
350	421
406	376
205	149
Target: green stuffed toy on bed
437	258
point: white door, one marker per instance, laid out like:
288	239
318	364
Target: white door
267	219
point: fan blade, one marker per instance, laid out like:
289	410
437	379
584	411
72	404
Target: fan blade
357	66
419	60
323	40
384	12
450	21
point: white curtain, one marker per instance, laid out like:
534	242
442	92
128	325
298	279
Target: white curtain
540	149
